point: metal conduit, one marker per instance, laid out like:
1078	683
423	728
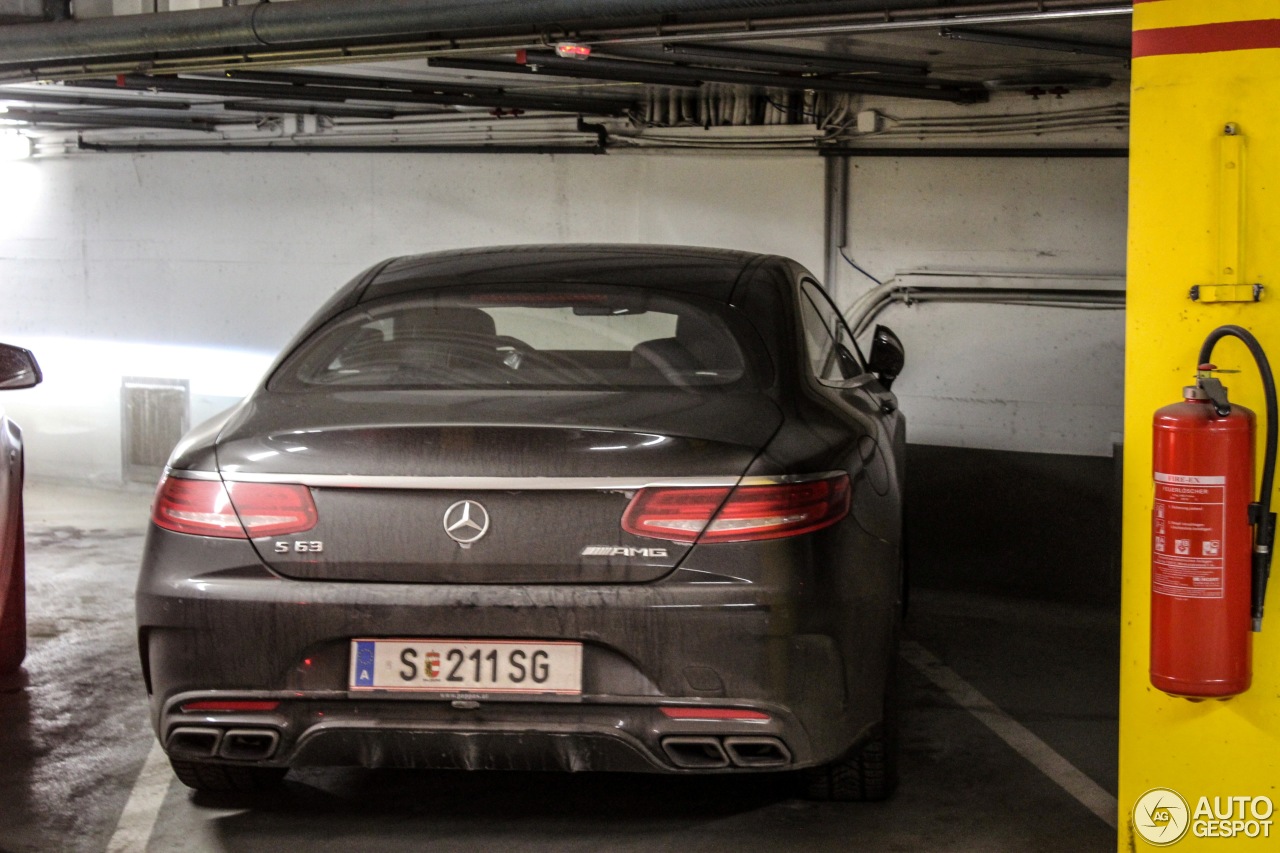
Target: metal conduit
865	310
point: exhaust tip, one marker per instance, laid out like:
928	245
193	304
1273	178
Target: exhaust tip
695	753
192	742
249	744
757	751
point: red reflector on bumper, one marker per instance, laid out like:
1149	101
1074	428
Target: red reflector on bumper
713	714
229	705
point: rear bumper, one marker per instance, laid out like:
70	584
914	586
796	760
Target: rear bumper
502	736
243	632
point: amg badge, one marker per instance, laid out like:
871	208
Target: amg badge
619	551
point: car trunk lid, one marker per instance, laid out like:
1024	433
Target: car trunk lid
457	487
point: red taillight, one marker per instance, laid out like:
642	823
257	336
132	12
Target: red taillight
273	509
677	713
236	511
199	507
743	514
230	705
672	513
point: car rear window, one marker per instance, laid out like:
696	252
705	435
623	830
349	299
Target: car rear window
595	336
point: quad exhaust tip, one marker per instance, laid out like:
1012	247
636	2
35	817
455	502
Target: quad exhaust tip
234	744
712	753
695	753
249	744
757	751
192	742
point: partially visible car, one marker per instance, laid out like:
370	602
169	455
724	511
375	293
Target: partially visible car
566	507
18	369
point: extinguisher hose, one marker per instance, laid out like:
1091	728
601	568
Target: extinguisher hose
1260	514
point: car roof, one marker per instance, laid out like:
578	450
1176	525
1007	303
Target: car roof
711	273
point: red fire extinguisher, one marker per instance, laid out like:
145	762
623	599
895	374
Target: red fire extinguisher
1210	540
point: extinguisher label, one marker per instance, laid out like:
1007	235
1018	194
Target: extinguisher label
1187	525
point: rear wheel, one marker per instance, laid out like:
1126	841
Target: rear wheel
226	778
869	771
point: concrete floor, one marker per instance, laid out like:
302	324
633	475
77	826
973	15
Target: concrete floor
980	673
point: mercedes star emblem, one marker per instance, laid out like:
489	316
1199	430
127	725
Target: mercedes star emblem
466	522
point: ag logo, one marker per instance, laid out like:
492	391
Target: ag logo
1161	817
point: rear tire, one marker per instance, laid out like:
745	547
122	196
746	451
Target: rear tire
227	778
869	771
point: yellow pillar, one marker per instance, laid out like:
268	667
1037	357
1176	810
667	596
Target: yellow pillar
1204	210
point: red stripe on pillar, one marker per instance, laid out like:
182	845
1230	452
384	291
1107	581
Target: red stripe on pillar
1207	38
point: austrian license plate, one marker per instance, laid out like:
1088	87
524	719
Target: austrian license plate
463	666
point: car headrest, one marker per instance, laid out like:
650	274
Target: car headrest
426	321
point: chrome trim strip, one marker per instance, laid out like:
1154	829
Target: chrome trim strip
182	474
498	484
489	484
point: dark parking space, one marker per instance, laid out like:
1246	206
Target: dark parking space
76	736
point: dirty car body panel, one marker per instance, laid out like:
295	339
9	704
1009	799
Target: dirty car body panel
18	369
578	507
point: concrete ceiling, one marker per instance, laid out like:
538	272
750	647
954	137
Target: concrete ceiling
738	74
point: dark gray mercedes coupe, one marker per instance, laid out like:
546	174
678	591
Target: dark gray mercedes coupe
627	508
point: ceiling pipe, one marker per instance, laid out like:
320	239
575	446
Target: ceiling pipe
787	61
655	75
332	110
241	89
329	148
662	74
1036	43
972	151
885	24
27	96
338	30
82	119
602	104
318	22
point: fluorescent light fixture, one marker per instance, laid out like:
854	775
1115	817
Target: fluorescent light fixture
14	146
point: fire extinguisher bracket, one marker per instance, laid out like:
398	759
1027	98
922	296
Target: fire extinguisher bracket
1210	293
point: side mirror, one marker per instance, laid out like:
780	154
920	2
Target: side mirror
18	368
887	356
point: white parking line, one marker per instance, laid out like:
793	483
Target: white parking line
1090	794
139	816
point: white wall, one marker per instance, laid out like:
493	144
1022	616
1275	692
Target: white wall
201	266
1047	380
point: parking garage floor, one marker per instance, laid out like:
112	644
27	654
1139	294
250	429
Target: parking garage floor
1009	742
